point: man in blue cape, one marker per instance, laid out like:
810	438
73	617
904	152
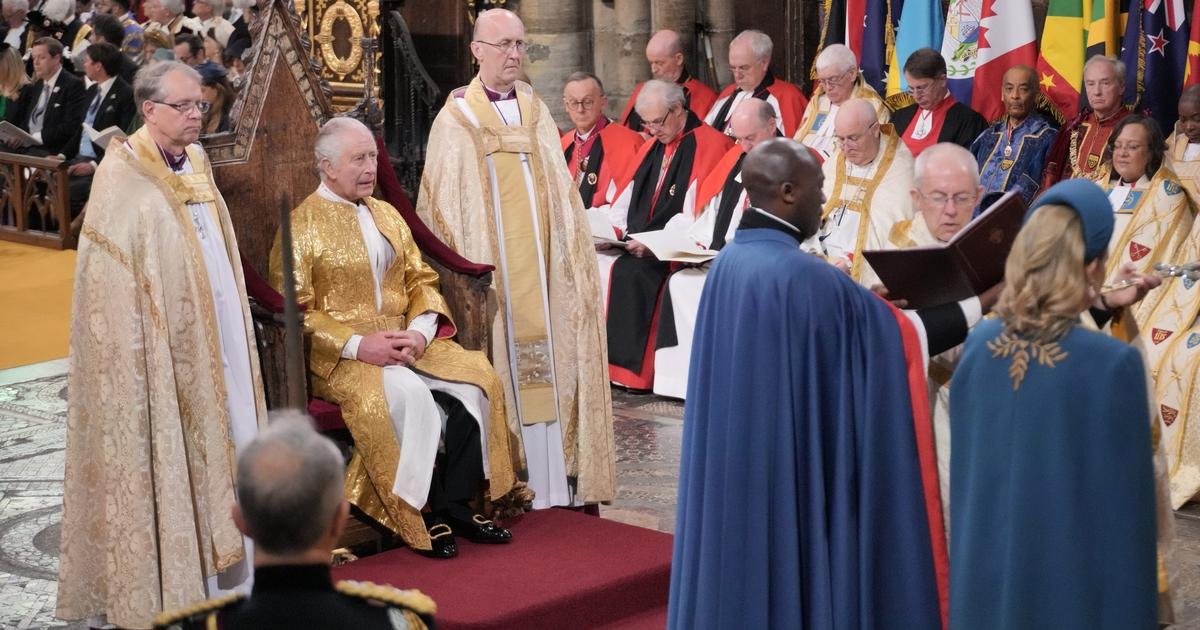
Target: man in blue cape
807	493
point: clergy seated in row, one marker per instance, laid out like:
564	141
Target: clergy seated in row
166	15
110	104
1080	150
1183	147
51	109
382	350
935	116
838	80
1012	152
598	151
750	62
664	53
867	184
1153	216
719	202
1027	548
497	191
665	182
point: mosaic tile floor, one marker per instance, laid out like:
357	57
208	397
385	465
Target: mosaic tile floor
33	407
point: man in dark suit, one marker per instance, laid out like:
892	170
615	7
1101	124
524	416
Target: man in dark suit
107	28
52	107
110	103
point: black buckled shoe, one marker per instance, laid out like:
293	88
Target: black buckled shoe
480	530
441	537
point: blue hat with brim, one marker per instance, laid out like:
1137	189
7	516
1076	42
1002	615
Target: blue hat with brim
1091	204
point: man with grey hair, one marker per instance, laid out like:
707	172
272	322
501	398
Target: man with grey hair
720	199
1080	147
165	15
382	349
210	21
665	181
750	62
16	29
838	80
164	374
664	52
290	504
497	190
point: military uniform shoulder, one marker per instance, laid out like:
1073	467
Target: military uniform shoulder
196	615
410	599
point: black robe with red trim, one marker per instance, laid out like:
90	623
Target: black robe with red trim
787	99
609	161
700	99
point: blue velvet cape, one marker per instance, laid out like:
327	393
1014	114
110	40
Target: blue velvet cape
800	492
1052	521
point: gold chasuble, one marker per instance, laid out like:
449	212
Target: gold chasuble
816	127
335	283
497	191
150	460
1152	221
1188	170
862	203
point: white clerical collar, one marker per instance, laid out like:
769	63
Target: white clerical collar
1192	151
586	134
328	194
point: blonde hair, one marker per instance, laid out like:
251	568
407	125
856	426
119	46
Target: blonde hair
1045	283
12	74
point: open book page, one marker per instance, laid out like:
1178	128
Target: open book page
673	246
12	134
603	230
101	138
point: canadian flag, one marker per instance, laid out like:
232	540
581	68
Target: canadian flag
1006	39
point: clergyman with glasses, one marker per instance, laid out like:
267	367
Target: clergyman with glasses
934	116
598	152
497	190
164	380
867	180
838	80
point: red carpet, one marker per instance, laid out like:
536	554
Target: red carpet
563	569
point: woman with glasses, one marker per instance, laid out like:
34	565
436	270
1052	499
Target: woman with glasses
1052	521
1150	208
838	80
934	116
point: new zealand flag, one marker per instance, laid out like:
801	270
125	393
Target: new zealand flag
878	40
1154	50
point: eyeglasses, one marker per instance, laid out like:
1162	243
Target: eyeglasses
186	107
921	89
835	81
507	47
657	124
961	200
855	138
586	103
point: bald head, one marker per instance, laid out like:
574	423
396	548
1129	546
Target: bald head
487	22
753	121
857	130
498	44
783	178
664	53
1189	113
1018	92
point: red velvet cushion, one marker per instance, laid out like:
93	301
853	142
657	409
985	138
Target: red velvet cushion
326	415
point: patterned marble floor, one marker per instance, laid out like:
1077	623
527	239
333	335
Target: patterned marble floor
33	407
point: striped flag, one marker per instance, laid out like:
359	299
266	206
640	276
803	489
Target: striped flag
1155	54
879	40
960	42
1006	39
1060	63
921	26
1106	25
833	23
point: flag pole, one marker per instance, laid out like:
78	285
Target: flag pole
297	397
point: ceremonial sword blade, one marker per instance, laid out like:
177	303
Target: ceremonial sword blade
293	342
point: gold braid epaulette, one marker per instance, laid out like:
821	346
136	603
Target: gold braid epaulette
411	599
169	617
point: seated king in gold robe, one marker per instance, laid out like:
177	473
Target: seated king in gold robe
381	349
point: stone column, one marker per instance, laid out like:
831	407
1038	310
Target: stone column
559	44
679	16
718	15
622	64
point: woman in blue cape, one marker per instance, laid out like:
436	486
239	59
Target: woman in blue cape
1052	491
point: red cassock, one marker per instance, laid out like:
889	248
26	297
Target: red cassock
700	99
605	158
787	99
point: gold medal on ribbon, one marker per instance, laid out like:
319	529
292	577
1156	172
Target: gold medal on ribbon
591	179
1005	164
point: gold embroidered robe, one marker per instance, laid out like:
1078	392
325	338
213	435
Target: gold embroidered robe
335	283
877	201
457	202
150	462
1151	225
817	115
1188	171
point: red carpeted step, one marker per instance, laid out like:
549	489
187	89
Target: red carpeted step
563	569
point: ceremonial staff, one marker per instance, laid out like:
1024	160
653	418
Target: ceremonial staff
293	343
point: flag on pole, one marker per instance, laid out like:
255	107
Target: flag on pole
1006	39
833	23
960	41
1192	72
1155	54
1060	63
921	26
1105	28
879	40
856	19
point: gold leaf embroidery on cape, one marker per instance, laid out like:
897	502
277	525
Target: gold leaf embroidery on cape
1021	350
